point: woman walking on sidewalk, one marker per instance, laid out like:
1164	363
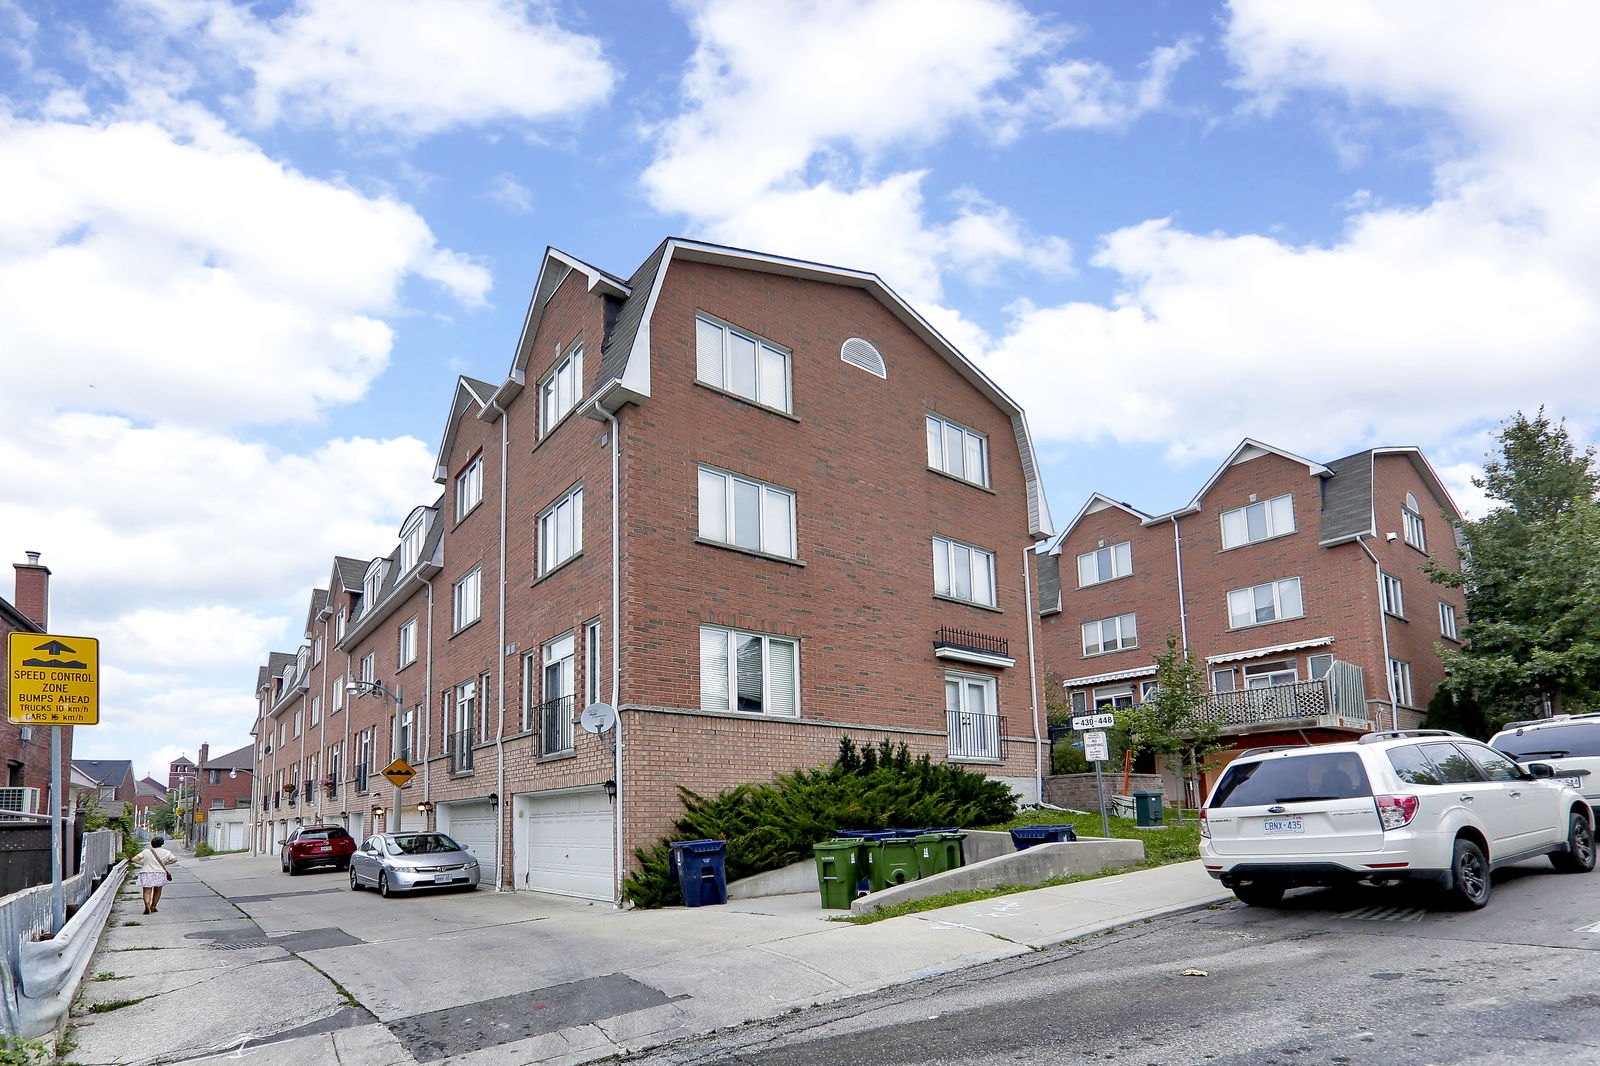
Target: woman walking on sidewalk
152	865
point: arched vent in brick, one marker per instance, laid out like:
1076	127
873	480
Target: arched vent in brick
862	353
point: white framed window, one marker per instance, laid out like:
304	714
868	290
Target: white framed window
369	666
1411	522
411	538
1266	675
297	720
591	662
1145	689
402	734
371	583
466	709
530	689
1258	521
561	389
1112	697
561	530
406	654
963	572
1104	564
971	712
1392	595
469	487
747	514
1080	701
316	709
557	676
741	363
339	622
316	650
485	708
1447	621
1271	602
1400	679
338	695
1110	634
1317	666
466	607
1223	680
750	672
958	451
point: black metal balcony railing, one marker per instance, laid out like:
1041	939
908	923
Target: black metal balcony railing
333	785
361	777
458	746
950	636
974	735
554	721
277	801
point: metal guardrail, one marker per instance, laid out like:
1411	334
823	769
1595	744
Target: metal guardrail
458	746
555	725
974	735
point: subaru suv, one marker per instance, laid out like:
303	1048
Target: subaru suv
1568	743
316	845
1423	805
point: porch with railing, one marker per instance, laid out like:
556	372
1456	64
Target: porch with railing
1338	697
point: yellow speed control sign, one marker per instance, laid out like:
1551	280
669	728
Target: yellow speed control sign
52	680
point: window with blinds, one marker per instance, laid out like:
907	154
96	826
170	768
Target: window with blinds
748	672
742	363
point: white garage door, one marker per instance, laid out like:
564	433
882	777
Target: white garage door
563	843
472	826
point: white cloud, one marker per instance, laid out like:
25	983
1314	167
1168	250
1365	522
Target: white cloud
217	635
510	194
417	66
168	269
1080	94
1417	322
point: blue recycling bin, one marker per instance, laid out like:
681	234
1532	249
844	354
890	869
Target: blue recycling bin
701	871
866	834
1026	836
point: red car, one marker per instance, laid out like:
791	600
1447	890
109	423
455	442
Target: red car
316	845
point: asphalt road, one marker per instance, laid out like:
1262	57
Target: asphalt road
1358	977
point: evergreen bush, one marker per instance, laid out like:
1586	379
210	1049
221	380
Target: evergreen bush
771	826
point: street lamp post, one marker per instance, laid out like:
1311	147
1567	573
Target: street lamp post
357	687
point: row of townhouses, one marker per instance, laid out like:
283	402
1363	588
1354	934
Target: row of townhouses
753	505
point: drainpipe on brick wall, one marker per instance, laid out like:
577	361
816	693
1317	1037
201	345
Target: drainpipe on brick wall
500	669
1033	670
616	657
1183	608
1383	622
427	704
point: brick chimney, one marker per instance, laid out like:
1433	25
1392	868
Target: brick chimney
205	754
33	590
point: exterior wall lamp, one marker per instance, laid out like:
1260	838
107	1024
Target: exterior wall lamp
494	800
611	789
425	807
379	812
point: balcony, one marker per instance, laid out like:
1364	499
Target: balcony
554	719
458	746
1337	700
967	646
974	735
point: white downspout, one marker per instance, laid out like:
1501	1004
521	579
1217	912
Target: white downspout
427	704
1183	607
500	669
616	656
1033	670
1383	621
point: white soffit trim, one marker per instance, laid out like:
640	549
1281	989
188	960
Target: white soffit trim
1117	675
1275	649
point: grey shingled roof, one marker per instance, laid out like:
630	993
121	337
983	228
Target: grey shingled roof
106	771
276	661
319	600
1347	498
350	571
618	346
1049	582
242	759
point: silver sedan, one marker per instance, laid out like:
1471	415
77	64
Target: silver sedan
403	862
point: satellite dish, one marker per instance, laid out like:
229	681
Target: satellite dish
598	717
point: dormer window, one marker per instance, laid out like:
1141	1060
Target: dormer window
411	538
372	583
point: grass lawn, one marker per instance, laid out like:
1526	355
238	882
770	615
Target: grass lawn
1174	843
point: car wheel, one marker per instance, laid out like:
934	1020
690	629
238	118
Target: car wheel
383	887
1259	893
1579	856
355	883
294	869
1470	882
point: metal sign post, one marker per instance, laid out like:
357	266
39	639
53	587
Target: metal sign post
1097	749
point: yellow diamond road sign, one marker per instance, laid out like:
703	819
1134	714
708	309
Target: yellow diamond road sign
399	773
53	680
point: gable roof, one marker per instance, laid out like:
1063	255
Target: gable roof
1093	505
1348	509
110	772
404	582
150	787
319	600
276	662
470	393
348	573
1247	450
240	759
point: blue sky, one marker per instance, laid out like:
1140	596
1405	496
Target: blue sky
245	249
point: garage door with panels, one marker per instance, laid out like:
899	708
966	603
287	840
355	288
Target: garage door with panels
472	825
563	843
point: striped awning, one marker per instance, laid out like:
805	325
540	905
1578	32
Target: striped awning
1276	649
1100	679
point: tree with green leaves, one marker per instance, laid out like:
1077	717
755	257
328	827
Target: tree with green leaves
1174	722
1531	578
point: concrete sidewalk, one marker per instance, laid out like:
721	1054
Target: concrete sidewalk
243	962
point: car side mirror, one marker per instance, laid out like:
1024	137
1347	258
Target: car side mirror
1540	770
281	843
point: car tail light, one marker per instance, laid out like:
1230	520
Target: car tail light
1205	826
1395	812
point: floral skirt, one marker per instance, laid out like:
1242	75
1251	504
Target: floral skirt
152	879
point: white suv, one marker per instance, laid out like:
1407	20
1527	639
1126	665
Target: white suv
1420	805
1569	744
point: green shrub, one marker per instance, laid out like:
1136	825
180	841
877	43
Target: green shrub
770	826
202	849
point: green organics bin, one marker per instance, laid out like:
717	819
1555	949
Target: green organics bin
938	852
1147	808
838	870
890	862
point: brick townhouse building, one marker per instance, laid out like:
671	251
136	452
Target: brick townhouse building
1298	585
752	504
25	749
224	794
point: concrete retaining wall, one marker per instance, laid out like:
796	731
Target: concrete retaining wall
1031	867
1078	792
